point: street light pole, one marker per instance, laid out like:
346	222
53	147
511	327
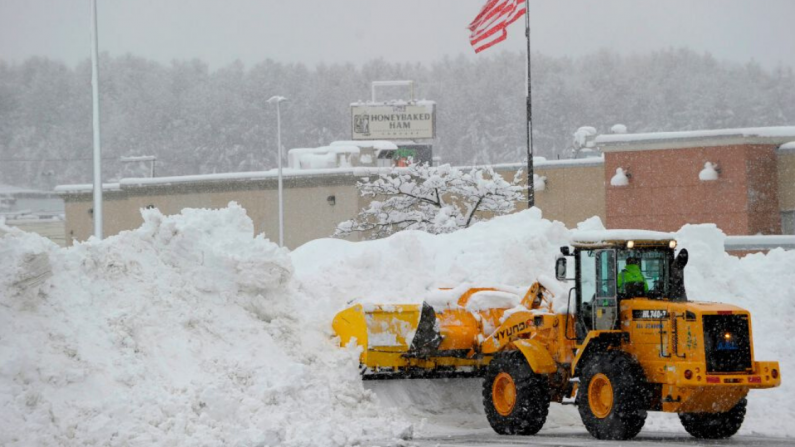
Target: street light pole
277	100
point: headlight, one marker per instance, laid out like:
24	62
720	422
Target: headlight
672	244
630	244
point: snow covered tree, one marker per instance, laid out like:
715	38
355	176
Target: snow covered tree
434	199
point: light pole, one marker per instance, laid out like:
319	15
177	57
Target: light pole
97	150
277	100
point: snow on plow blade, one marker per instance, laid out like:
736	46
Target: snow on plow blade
383	331
399	341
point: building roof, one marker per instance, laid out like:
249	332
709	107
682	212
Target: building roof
20	191
696	138
600	236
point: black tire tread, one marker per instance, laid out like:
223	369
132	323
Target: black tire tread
715	425
632	396
532	396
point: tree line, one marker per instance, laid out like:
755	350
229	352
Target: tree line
198	121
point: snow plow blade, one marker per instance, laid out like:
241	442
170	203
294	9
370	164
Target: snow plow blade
383	332
402	341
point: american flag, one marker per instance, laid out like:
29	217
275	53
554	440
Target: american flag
488	28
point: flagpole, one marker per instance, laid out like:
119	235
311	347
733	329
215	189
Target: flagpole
530	183
97	150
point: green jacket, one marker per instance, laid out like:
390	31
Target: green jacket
631	274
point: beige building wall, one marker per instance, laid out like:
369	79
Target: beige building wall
314	205
574	191
786	180
78	214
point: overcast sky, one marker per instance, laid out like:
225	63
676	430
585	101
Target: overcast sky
312	31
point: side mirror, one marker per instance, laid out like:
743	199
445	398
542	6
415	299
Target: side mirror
565	251
560	269
681	259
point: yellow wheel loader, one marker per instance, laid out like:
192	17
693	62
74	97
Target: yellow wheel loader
624	340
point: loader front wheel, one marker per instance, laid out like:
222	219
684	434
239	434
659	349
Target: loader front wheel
715	425
516	399
613	396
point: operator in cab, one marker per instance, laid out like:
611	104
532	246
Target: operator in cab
631	280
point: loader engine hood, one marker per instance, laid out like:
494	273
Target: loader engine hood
718	334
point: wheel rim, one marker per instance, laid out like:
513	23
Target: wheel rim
503	393
600	396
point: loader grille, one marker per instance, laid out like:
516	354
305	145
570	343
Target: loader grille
727	343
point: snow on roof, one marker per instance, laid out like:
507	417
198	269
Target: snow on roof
781	133
759	242
358	171
395	102
375	144
10	189
324	157
86	187
254	175
543	163
787	146
596	236
138	158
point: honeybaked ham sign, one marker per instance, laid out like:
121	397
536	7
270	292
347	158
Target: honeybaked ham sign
415	120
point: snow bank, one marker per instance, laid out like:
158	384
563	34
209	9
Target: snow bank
186	331
409	267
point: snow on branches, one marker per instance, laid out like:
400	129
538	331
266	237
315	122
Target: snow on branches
434	199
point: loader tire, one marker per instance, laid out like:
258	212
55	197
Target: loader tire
613	396
515	398
715	425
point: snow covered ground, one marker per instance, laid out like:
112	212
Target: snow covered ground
191	330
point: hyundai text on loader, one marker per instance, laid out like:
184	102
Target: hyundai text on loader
618	349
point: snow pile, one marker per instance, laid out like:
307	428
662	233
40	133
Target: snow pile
409	266
186	331
491	299
618	128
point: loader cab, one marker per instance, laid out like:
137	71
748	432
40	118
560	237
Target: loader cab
603	278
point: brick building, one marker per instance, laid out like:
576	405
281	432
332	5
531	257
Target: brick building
741	179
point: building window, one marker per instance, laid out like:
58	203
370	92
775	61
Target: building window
788	222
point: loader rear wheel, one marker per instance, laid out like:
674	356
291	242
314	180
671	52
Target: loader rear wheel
515	398
613	396
715	425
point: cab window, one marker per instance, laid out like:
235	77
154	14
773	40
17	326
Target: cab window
606	273
587	276
654	267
